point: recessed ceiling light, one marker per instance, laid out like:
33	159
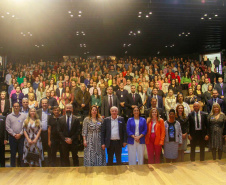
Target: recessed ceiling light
69	11
202	18
182	32
150	13
147	16
205	14
166	46
186	35
140	12
24	35
43	45
216	15
2	16
80	11
179	35
189	33
139	15
13	15
138	31
31	35
210	18
79	15
72	15
7	13
21	33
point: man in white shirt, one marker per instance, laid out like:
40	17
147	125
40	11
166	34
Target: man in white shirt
8	77
113	135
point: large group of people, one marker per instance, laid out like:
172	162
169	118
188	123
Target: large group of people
160	104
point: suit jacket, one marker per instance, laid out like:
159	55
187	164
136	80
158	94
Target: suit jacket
3	132
63	129
129	102
6	107
106	131
78	100
160	102
131	128
162	113
191	122
105	107
14	98
52	102
219	89
39	112
58	92
210	104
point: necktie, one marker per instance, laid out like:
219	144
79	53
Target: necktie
68	124
133	97
222	89
197	118
110	101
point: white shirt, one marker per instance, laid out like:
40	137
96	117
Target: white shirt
25	91
70	118
153	127
137	127
7	78
199	117
114	129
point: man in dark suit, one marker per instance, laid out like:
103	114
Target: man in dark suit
68	131
3	140
113	135
157	97
213	100
44	114
153	105
122	94
109	101
221	88
133	99
198	131
4	104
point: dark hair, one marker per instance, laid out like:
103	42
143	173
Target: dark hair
135	108
172	110
56	107
177	100
97	92
90	115
183	113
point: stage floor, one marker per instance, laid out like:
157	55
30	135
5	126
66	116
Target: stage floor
208	172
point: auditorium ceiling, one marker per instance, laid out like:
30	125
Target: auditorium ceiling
112	27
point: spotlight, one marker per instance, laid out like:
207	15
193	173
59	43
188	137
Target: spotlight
147	16
79	15
2	16
80	11
210	18
7	13
205	14
139	15
216	15
202	18
13	15
182	32
179	35
138	31
72	15
69	11
140	12
189	33
150	13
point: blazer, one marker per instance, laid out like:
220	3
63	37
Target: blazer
219	89
58	92
159	132
129	102
63	129
105	107
39	112
210	104
191	122
6	107
106	131
78	100
160	102
131	127
14	98
178	132
3	132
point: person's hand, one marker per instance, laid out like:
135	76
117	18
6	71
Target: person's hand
103	147
68	141
184	136
206	137
222	97
103	117
30	142
5	142
124	144
49	143
137	138
189	137
34	141
83	105
17	136
122	104
85	143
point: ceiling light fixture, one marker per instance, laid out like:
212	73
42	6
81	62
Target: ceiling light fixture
216	15
202	18
205	14
147	16
69	11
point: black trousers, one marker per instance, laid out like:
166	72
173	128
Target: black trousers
46	148
114	148
2	154
56	146
66	148
198	139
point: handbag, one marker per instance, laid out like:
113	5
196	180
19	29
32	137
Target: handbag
32	156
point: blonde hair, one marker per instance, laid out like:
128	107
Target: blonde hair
37	120
212	110
150	114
